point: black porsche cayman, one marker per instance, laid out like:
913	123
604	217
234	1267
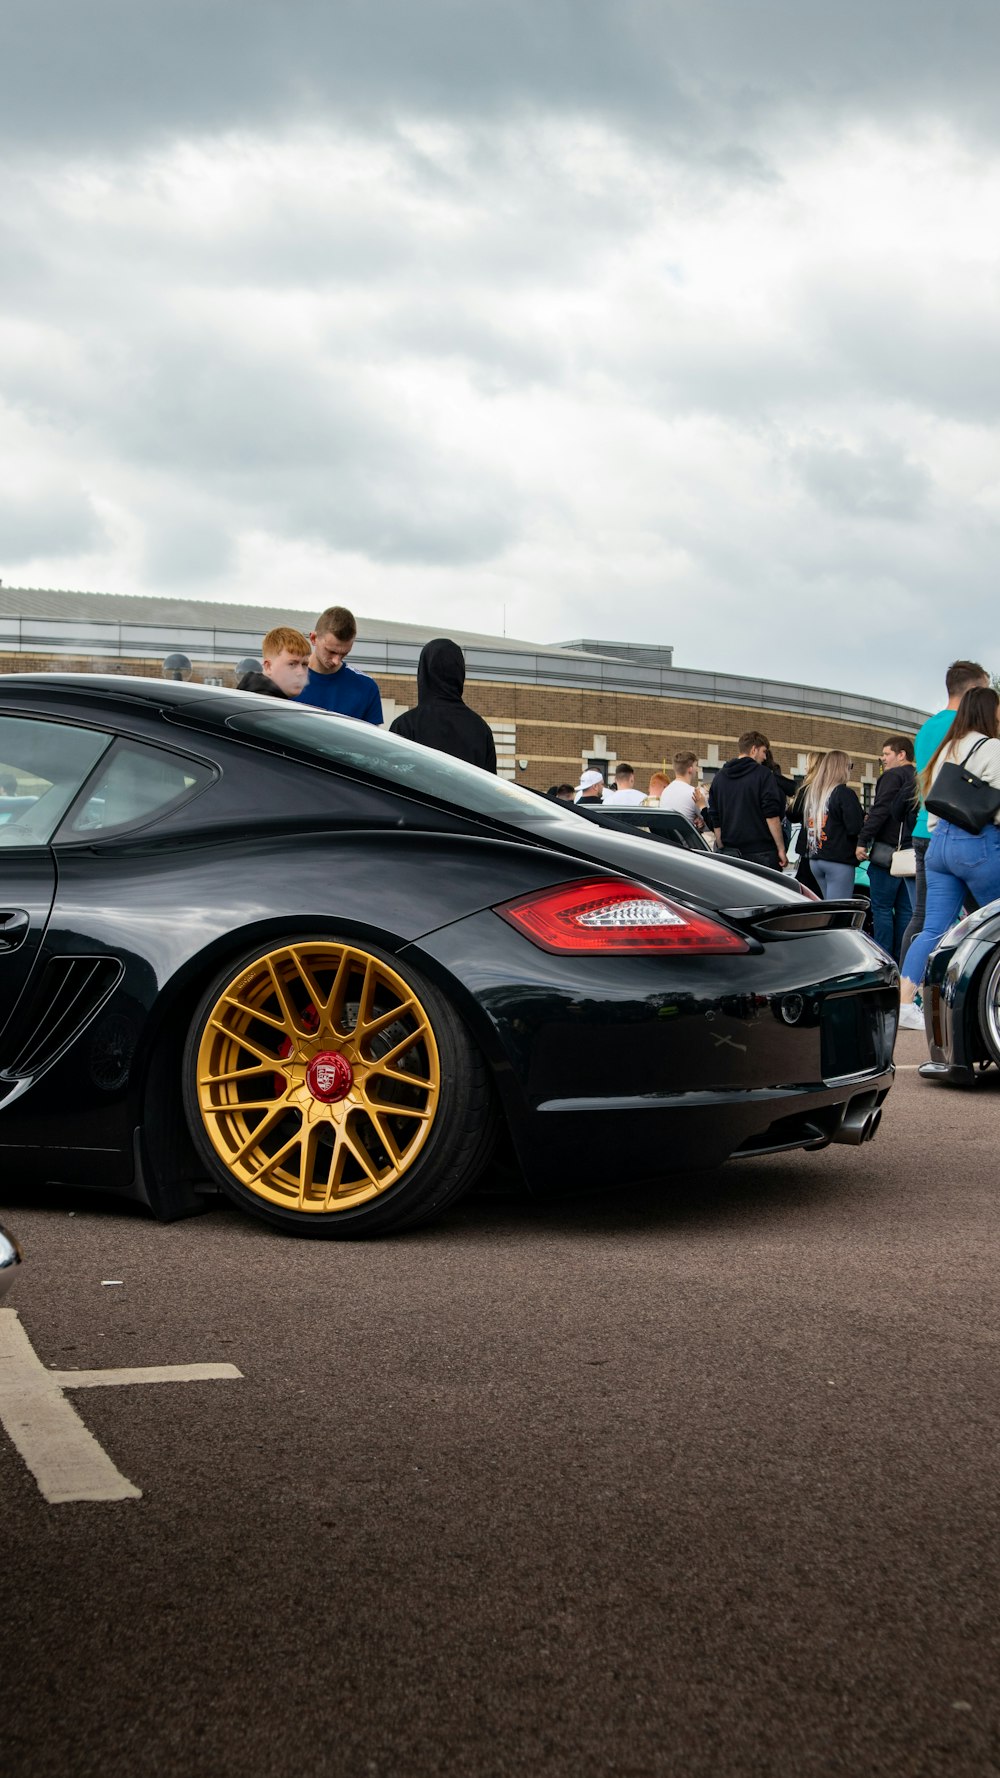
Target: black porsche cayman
326	970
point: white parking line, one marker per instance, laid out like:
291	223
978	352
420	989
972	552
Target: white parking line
147	1373
65	1459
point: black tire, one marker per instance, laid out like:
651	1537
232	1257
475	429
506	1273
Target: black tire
264	1053
989	1008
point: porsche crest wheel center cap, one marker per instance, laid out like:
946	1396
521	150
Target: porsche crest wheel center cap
329	1077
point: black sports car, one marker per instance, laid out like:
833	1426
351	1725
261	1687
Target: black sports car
327	969
961	1000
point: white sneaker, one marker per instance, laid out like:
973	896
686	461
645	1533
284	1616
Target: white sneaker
911	1018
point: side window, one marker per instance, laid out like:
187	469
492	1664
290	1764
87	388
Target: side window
135	785
42	766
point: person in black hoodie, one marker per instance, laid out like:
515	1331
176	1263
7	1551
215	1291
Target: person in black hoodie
745	805
889	822
440	718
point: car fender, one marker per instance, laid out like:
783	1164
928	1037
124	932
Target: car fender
953	979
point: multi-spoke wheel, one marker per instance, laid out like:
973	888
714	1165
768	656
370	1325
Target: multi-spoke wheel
330	1089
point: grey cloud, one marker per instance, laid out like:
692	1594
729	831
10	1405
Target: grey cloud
152	344
400	517
878	481
189	401
867	608
890	339
497	357
512	210
697	372
266	438
185	547
49	522
301	451
117	71
234	64
845	341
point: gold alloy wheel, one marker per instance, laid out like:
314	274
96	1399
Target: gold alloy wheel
318	1076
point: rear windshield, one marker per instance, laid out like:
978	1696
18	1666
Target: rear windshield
358	746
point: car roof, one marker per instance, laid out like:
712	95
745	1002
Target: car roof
125	688
208	708
124	695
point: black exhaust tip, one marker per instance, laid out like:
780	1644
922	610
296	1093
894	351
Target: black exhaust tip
859	1123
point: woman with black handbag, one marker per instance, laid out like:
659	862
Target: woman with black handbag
963	778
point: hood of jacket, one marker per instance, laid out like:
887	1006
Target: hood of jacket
441	671
742	767
260	682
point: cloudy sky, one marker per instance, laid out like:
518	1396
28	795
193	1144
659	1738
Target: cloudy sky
666	320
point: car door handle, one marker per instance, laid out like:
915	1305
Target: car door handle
15	925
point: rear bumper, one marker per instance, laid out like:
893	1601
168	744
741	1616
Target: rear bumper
626	1068
604	1140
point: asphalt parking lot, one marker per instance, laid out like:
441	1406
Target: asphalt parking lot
695	1480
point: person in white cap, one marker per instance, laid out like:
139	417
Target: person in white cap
590	788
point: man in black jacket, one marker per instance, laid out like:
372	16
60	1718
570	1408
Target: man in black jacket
440	717
890	821
745	806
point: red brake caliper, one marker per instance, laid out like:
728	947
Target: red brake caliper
310	1021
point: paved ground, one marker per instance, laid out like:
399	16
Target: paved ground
692	1482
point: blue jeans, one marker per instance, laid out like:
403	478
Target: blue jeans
892	905
834	881
956	861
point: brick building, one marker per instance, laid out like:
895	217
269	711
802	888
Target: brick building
554	710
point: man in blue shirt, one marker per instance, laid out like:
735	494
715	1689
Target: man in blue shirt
332	684
961	677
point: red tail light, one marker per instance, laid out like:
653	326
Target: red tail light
606	915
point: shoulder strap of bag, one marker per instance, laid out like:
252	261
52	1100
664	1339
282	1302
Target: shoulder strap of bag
982	739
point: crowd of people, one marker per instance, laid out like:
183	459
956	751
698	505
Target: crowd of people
923	869
313	670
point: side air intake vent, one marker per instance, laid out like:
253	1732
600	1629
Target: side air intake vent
68	994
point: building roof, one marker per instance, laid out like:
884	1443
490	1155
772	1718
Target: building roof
37	620
57	605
